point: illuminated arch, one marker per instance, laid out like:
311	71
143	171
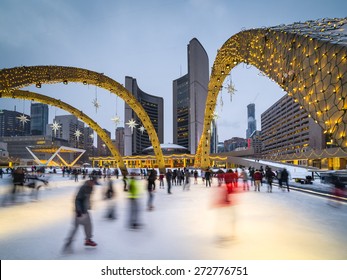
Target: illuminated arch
19	77
310	65
27	95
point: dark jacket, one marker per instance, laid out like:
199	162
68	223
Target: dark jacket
151	181
82	201
18	177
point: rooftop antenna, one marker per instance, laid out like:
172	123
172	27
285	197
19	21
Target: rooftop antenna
255	97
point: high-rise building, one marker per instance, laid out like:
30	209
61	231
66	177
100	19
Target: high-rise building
39	118
189	98
71	129
119	141
103	150
214	138
13	123
88	143
287	129
251	122
134	139
88	135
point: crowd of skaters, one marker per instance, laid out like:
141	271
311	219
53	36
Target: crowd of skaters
229	182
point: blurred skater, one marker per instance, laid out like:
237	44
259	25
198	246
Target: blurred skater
186	184
125	183
258	177
224	203
18	180
284	178
269	175
151	188
169	180
161	181
109	196
338	191
244	177
208	177
82	217
134	194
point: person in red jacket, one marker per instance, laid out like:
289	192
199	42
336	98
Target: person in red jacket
235	179
258	176
228	179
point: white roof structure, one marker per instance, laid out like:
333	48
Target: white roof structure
167	146
62	149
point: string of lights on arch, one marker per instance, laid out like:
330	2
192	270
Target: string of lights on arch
308	60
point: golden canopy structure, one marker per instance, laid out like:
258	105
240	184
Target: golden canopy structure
19	77
308	60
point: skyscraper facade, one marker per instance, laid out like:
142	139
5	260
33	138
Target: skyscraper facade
69	125
88	136
11	124
39	118
251	122
189	98
134	139
119	141
214	138
103	150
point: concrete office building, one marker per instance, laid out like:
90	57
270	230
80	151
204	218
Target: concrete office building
189	98
135	141
39	118
287	129
255	142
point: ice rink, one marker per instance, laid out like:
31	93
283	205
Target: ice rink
183	226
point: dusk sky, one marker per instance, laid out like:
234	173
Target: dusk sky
146	40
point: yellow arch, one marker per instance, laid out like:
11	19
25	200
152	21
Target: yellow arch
311	70
19	77
27	95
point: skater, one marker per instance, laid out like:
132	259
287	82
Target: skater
224	202
269	175
151	188
18	180
258	177
195	177
134	194
186	184
82	217
168	180
161	181
208	177
244	176
284	178
125	184
109	196
339	190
